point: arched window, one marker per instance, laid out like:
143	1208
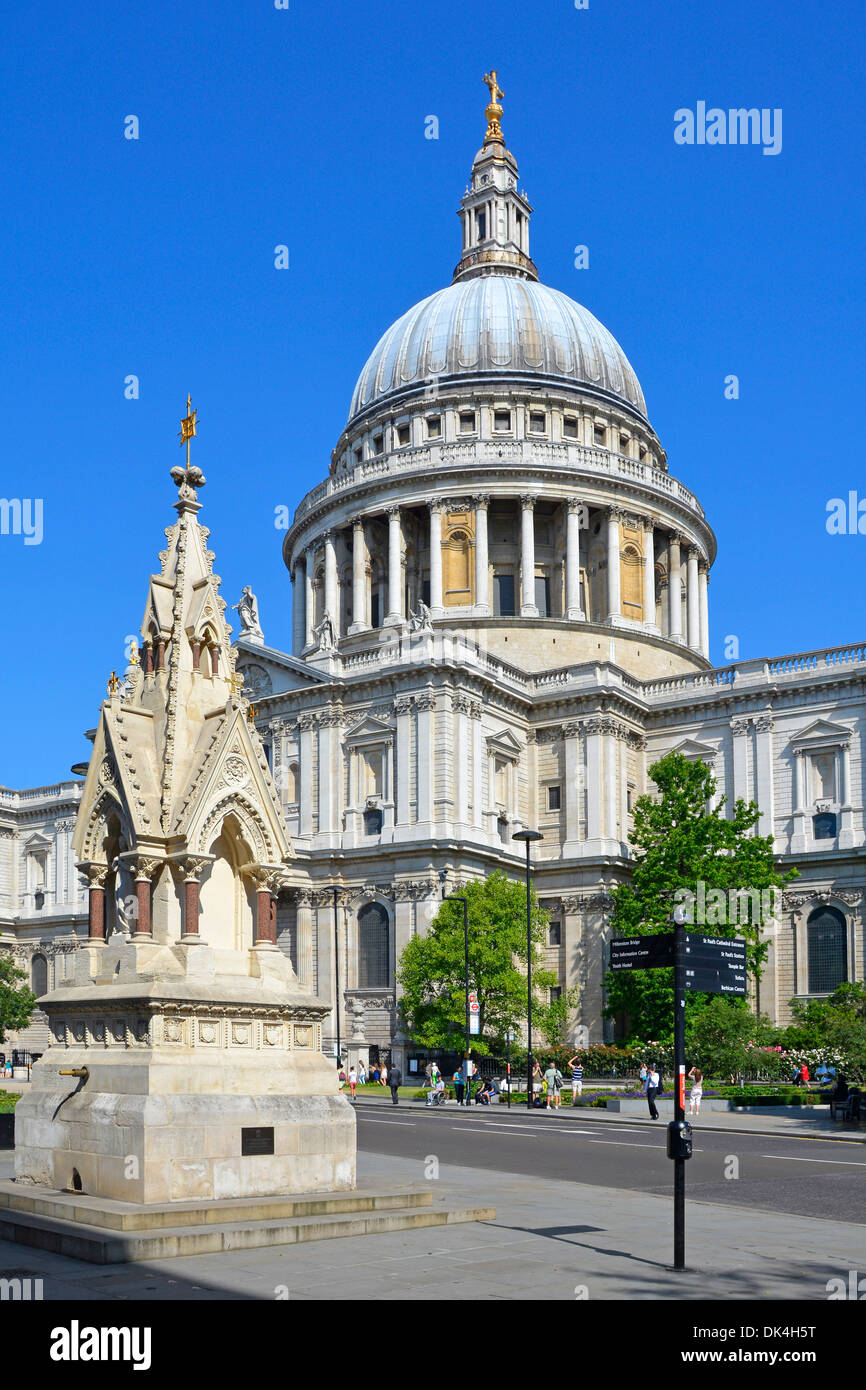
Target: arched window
374	955
827	953
39	975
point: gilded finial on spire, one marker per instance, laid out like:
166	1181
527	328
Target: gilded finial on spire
113	683
187	427
493	111
189	478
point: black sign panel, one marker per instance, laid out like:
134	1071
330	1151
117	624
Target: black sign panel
721	981
715	964
258	1139
642	952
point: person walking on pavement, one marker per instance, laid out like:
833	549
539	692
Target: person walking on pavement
697	1091
395	1081
642	1078
652	1086
353	1081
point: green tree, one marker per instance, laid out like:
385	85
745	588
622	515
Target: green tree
837	1025
16	1001
685	852
431	968
555	1020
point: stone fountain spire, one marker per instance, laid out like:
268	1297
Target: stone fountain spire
185	1024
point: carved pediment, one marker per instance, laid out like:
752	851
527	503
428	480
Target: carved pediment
823	733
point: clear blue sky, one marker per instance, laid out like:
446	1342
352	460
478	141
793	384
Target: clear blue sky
306	127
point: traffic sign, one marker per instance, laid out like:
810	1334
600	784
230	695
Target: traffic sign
642	952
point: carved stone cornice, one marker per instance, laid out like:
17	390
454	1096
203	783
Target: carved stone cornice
740	726
464	704
817	897
416	890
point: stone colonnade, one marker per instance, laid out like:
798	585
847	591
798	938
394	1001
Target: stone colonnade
669	560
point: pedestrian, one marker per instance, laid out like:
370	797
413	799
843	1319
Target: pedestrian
652	1087
554	1085
458	1086
804	1075
576	1079
362	1074
697	1091
384	1075
353	1081
427	1081
470	1076
642	1076
375	1073
395	1080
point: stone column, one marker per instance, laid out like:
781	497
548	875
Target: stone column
649	575
425	707
359	578
675	593
299	607
332	595
191	868
394	616
477	766
613	564
739	733
482	583
593	779
573	610
703	580
611	785
436	607
766	794
693	600
144	870
461	706
573	788
402	708
304	935
266	917
306	724
309	597
846	825
96	876
528	608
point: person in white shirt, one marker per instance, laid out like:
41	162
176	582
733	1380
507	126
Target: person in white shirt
652	1085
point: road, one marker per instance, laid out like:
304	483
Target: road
806	1177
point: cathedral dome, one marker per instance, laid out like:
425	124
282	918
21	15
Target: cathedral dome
499	326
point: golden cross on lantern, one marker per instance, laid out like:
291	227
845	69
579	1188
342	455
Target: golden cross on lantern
236	682
251	714
187	427
113	683
489	80
493	110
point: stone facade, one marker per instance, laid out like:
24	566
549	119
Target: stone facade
500	620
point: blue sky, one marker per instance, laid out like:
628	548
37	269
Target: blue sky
305	126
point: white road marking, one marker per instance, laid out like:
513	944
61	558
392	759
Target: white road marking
789	1158
371	1121
464	1129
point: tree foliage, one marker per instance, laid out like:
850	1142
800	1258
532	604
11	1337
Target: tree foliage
834	1026
679	845
17	1002
431	968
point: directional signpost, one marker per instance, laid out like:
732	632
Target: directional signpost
712	964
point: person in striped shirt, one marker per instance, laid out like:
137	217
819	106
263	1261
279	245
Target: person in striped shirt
576	1079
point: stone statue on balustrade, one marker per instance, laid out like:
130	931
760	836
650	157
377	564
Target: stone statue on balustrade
248	612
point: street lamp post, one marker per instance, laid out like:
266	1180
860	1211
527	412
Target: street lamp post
528	836
457	898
